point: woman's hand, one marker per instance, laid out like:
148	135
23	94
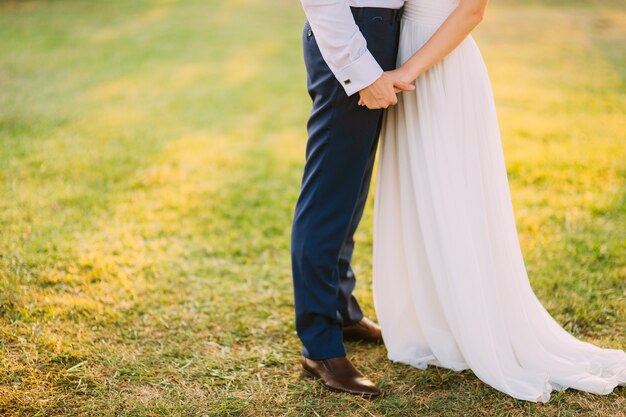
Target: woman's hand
403	82
382	93
402	74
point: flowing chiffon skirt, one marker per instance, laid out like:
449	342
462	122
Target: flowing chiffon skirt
450	286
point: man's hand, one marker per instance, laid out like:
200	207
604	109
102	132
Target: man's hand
382	92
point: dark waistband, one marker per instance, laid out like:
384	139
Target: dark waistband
386	15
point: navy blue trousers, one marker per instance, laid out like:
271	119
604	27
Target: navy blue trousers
340	153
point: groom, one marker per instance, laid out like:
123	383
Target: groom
346	50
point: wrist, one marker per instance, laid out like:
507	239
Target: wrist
413	70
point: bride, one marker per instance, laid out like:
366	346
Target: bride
450	286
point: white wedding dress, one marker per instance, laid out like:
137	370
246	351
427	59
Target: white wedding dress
450	286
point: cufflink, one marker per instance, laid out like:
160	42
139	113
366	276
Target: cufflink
309	33
348	81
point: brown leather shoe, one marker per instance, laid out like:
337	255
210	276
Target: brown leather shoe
338	374
365	330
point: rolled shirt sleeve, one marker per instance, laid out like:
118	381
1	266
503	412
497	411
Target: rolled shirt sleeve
341	43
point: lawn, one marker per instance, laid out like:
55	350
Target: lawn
150	159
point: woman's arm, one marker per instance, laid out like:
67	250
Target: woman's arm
467	15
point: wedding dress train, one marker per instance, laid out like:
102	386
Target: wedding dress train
450	286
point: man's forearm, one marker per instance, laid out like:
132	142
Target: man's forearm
341	43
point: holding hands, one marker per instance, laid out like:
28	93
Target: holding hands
382	93
459	24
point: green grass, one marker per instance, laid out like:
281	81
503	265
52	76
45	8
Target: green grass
150	158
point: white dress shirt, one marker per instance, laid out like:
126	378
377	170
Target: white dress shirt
340	41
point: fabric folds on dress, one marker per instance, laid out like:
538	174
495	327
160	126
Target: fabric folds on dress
450	285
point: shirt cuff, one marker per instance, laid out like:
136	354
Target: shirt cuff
359	74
